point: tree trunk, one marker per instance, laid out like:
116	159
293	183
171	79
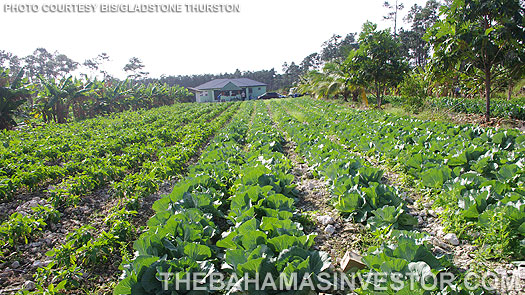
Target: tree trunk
378	96
355	95
509	93
487	93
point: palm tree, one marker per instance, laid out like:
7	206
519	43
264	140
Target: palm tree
335	80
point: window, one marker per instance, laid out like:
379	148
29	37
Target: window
250	90
259	88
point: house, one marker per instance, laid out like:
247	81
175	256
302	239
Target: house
228	90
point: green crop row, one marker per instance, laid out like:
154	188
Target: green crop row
101	149
233	214
86	248
514	109
475	175
359	194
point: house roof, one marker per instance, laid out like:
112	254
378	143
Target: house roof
220	83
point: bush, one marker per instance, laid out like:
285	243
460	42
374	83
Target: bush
413	92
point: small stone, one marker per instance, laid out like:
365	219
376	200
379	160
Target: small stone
33	203
500	271
310	186
440	244
35	244
420	220
330	229
432	213
15	264
309	175
325	219
452	239
352	260
29	285
38	263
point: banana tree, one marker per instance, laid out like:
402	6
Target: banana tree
57	96
111	97
178	93
80	100
12	96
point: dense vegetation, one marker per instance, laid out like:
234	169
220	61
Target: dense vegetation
107	177
57	100
234	211
477	49
514	108
130	154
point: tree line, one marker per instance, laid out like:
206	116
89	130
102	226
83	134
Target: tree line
461	47
458	48
41	85
335	48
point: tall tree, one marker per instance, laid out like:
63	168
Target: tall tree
134	69
10	61
479	34
97	64
420	18
379	60
393	11
49	65
310	62
64	65
291	74
337	47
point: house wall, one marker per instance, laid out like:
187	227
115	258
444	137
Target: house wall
208	96
256	91
204	96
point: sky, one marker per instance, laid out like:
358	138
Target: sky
262	35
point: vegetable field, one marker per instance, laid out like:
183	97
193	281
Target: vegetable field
131	204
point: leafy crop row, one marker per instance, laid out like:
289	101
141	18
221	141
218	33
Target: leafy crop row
134	158
514	109
35	157
359	194
85	248
477	175
233	214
